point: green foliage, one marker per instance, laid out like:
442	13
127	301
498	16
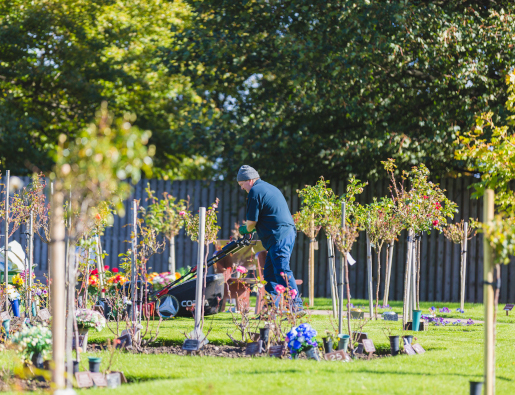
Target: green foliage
165	215
62	58
424	205
494	157
211	230
336	85
93	167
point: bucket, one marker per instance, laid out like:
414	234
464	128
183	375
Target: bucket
416	320
476	387
343	342
94	364
394	345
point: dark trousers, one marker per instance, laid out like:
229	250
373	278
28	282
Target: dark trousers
277	262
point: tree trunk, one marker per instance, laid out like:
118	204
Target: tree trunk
332	276
389	259
463	266
348	299
419	241
407	280
378	277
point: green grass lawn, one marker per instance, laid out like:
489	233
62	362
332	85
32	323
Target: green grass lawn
454	357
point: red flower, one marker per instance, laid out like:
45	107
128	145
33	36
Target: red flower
435	222
426	197
103	290
98	217
114	270
438	206
106	268
94	272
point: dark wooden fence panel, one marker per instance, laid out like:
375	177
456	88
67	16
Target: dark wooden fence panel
440	268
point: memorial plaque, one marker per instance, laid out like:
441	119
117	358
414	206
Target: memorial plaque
4	316
191	345
409	349
360	336
84	379
122	377
125	341
339	355
390	316
44	314
276	351
113	380
508	308
368	345
254	348
359	349
98	379
418	348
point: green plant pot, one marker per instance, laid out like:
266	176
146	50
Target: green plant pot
7	325
94	364
343	342
416	320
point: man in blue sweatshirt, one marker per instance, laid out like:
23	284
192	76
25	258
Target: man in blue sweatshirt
269	215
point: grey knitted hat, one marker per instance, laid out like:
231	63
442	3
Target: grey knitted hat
247	173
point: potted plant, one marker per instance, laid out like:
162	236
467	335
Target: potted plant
34	344
302	338
14	297
86	319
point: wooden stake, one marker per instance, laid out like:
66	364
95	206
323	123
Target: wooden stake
488	297
6	239
31	261
414	273
405	309
171	258
463	264
311	263
133	261
56	255
200	272
369	278
332	275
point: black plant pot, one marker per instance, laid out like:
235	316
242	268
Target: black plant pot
476	387
328	344
409	338
37	360
394	345
263	335
75	367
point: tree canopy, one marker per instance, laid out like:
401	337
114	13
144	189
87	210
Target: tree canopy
62	58
301	88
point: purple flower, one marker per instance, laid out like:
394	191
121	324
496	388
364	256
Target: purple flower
445	310
460	310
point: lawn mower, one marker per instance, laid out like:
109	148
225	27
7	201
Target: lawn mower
177	299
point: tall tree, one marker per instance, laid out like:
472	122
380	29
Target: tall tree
303	88
62	58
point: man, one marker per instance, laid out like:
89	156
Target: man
269	215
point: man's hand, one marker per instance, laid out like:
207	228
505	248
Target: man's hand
248	228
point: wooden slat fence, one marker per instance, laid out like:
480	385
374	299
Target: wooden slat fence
440	259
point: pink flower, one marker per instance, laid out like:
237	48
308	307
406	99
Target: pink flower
282	273
280	288
181	213
426	197
241	269
438	206
435	222
293	293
